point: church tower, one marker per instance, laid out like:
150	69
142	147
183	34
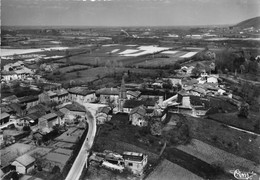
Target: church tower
122	94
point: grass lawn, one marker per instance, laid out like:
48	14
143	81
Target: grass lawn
167	170
125	137
252	123
221	136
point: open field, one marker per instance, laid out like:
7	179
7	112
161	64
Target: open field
171	171
72	68
9	52
173	57
213	155
228	139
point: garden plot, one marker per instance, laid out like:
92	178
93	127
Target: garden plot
189	54
169	52
144	50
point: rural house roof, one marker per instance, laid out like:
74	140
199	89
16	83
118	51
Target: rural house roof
81	91
75	107
59	113
51	93
49	116
39	108
6	109
61	92
108	91
25	160
104	110
134	93
132	103
36	115
27	99
5	73
139	110
133	156
4	115
10	98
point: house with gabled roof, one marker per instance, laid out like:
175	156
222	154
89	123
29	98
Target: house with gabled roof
47	121
107	95
102	115
29	101
24	164
133	94
137	116
82	95
135	162
63	95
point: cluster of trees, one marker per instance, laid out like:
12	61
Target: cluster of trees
230	60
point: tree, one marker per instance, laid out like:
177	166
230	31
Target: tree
243	110
67	54
55	169
156	127
78	74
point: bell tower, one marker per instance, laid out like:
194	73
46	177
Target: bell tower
122	94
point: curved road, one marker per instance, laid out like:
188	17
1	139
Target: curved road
82	157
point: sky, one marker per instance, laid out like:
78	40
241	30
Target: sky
126	12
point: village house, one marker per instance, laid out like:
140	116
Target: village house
10	99
13	66
19	109
102	115
7	76
47	121
4	118
48	96
63	95
135	162
82	95
72	111
24	164
107	95
130	104
29	101
190	104
137	116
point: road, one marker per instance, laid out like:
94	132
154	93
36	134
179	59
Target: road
80	161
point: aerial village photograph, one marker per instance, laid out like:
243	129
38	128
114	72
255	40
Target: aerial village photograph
130	90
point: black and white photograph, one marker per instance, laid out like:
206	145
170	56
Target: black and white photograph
130	90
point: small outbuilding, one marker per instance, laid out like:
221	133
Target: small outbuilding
24	164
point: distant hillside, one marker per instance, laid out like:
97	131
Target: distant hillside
253	22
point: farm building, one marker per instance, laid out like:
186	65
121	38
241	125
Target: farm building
135	162
24	164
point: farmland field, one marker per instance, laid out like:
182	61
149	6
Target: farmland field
169	170
161	62
72	67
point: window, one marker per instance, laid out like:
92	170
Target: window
130	164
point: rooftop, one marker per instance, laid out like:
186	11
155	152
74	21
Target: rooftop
27	99
49	116
81	91
75	107
108	91
133	156
139	110
25	159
